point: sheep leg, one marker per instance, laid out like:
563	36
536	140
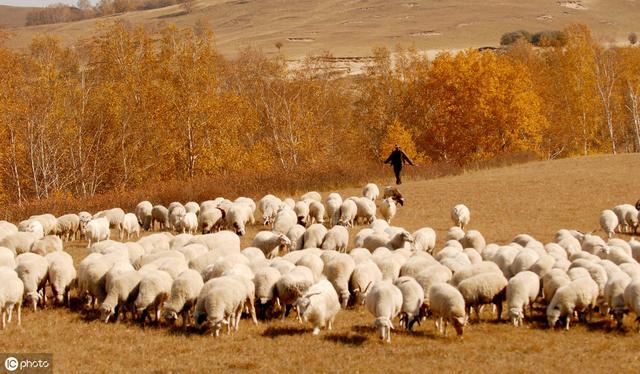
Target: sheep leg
4	322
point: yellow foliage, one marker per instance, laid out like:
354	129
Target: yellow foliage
397	134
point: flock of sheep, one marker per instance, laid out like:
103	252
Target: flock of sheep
195	271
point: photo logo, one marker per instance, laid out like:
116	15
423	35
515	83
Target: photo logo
11	364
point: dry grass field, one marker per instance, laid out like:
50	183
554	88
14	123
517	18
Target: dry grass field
352	28
536	198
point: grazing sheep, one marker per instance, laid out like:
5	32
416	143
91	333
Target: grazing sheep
301	208
371	191
184	293
522	290
484	288
189	223
360	254
271	243
366	209
319	305
122	292
389	267
431	275
176	213
159	215
388	209
608	222
291	286
447	305
338	271
579	295
311	195
32	269
614	295
384	302
285	219
474	239
32	226
632	300
61	275
97	230
455	233
415	265
337	239
552	281
130	225
114	217
265	280
474	269
364	274
269	206
424	239
67	226
460	215
314	236
19	242
524	261
219	303
154	290
296	235
314	263
316	212
333	202
7	258
48	221
48	244
11	295
348	213
627	218
412	300
210	219
144	215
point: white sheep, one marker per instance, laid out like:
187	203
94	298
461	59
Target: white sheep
11	295
389	267
364	274
460	215
143	214
314	263
48	244
627	217
268	206
285	219
19	242
319	305
415	265
474	239
412	301
271	243
552	281
210	219
130	225
48	222
32	226
122	290
484	288
424	239
337	239
68	226
296	235
371	191
97	230
614	295
333	203
632	299
33	269
431	275
291	286
159	215
316	212
608	222
220	302
189	223
384	302
474	269
366	209
62	275
155	288
114	217
184	294
522	291
265	280
579	295
388	209
455	233
301	208
348	213
314	235
447	306
338	271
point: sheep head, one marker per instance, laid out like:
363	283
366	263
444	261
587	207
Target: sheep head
384	326
516	315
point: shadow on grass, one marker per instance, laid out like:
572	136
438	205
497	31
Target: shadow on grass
346	339
275	331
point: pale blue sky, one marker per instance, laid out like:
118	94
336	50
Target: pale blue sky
38	2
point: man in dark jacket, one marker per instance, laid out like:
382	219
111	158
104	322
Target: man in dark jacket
397	158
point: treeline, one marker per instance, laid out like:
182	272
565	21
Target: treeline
59	13
129	110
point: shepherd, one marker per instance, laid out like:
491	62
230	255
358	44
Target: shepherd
397	158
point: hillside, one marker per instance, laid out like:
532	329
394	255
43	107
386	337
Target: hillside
12	16
536	198
352	28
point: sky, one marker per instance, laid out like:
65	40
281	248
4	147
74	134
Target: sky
37	2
